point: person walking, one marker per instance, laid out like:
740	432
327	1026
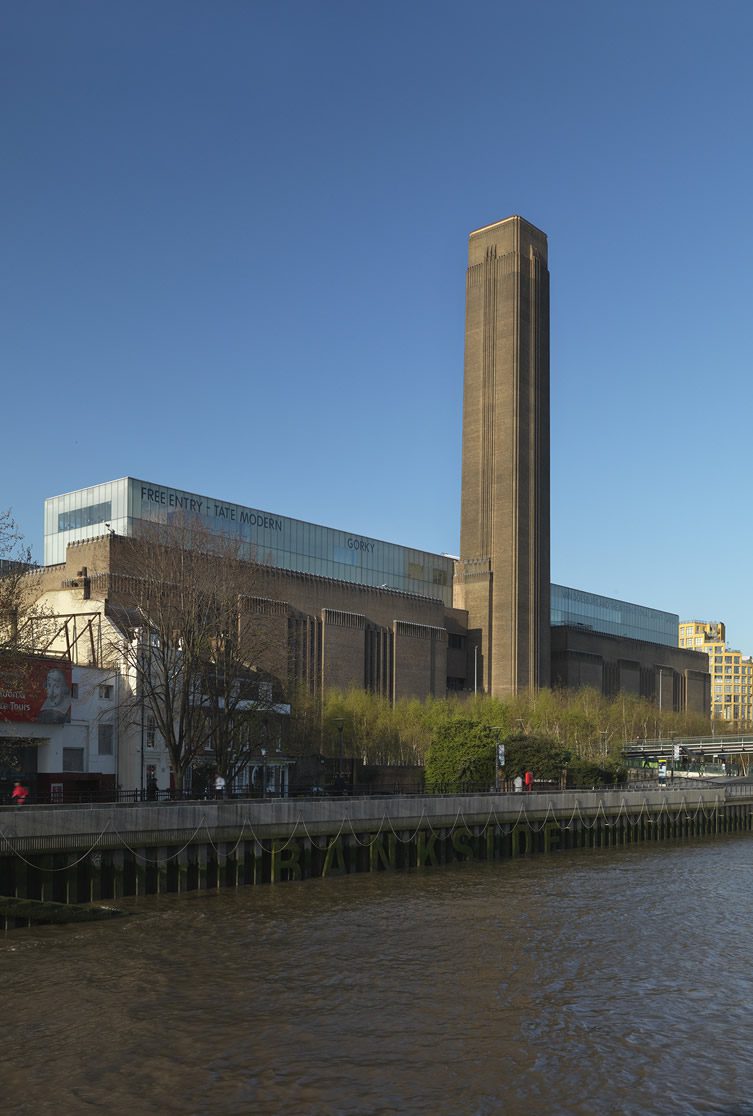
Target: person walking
518	783
20	793
528	779
219	786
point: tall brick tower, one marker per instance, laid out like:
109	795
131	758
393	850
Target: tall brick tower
503	577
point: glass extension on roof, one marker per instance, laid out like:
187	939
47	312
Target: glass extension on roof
265	537
575	608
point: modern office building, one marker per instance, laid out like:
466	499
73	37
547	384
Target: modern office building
731	671
503	575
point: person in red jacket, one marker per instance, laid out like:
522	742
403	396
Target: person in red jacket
20	793
528	780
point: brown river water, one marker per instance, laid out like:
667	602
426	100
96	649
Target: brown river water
597	981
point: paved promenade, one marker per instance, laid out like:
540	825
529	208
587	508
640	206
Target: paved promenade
67	826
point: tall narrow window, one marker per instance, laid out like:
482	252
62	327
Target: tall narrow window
105	736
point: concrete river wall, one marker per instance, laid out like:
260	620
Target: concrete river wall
87	854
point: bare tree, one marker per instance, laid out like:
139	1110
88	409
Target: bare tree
26	624
19	588
195	644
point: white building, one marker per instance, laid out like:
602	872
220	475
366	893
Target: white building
69	724
60	730
72	721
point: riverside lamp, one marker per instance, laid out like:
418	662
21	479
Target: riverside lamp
499	762
339	723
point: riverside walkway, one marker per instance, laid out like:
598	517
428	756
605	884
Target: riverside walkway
86	853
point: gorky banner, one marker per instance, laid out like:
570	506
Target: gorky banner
35	690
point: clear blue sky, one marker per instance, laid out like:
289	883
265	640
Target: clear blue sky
234	247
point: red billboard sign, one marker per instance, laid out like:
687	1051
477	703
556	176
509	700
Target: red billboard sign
35	690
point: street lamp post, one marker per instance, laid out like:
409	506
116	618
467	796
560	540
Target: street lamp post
499	758
263	750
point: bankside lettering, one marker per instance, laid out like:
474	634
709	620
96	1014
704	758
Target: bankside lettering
462	846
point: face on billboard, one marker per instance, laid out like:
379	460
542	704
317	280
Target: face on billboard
57	704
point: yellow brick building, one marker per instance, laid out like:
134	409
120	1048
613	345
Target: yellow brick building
731	672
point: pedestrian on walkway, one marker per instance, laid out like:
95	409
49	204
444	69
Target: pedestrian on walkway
528	779
20	793
518	783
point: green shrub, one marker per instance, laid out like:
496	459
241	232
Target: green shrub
544	757
461	752
588	773
464	752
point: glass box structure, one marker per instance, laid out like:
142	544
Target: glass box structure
122	505
574	608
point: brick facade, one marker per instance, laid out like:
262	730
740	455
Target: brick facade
503	576
314	631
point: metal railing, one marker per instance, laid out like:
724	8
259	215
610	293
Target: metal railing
126	798
739	744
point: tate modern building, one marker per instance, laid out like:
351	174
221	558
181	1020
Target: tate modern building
352	610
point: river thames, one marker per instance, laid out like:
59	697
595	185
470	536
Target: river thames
597	981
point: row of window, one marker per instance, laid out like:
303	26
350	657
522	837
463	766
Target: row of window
84	517
105	691
730	713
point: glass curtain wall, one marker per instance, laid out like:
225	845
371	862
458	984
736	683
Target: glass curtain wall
575	608
264	537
